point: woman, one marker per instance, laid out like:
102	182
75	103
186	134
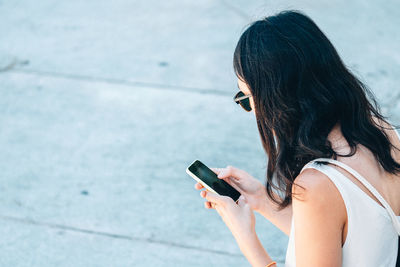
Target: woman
328	146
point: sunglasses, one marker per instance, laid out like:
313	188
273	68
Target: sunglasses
243	100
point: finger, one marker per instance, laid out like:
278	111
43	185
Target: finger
216	170
232	181
207	204
230	171
198	186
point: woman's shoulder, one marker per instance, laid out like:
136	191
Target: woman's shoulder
311	179
318	191
319	217
314	181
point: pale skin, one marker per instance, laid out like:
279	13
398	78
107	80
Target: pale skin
319	211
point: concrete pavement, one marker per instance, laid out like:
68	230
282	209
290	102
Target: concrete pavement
104	104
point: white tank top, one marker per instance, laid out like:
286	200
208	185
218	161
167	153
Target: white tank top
372	233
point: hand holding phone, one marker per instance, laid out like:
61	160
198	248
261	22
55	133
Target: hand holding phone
248	186
209	180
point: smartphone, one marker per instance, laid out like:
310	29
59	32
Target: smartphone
205	176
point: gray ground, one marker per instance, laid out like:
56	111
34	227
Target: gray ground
103	104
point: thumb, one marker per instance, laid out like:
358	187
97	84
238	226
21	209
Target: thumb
212	197
231	171
242	201
216	170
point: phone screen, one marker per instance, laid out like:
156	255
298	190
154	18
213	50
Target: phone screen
210	178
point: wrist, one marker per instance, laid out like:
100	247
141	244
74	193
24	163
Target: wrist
246	240
254	251
264	207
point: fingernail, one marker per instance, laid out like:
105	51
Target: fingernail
221	174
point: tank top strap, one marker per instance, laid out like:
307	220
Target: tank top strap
393	216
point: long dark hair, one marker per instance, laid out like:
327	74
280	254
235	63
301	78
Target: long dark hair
301	89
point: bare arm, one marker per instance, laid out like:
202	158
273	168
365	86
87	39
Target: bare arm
254	251
320	215
281	219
